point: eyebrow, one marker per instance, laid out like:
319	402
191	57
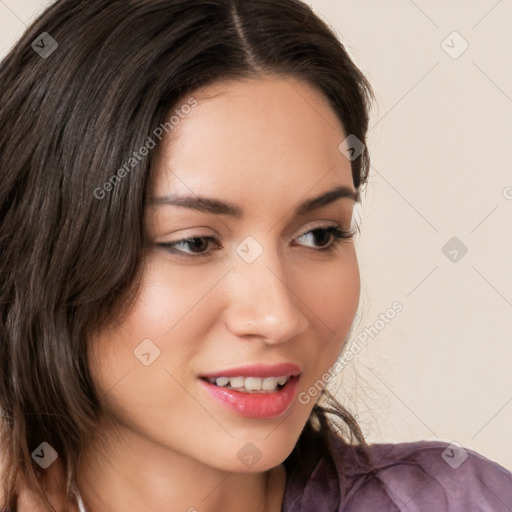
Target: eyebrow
218	207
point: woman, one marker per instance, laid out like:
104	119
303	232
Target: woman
179	275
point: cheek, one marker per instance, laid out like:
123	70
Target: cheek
169	316
170	302
333	300
333	294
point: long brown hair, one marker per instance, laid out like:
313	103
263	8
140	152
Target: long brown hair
84	87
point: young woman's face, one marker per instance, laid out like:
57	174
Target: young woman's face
253	289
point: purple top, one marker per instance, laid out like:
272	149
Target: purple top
419	476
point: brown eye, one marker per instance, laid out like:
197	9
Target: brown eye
196	244
325	234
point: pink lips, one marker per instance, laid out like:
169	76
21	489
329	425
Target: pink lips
255	405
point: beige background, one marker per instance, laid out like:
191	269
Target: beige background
440	141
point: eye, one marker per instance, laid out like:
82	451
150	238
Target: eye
198	245
336	233
194	243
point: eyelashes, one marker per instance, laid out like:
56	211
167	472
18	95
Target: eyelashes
337	235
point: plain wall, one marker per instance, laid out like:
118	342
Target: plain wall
440	143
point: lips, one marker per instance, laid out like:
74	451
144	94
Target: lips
256	370
256	405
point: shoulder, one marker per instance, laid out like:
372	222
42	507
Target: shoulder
423	475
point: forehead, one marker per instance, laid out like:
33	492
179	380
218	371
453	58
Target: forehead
264	137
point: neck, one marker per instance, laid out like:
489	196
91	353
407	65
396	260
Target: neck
149	476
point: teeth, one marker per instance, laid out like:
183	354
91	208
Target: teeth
250	384
236	382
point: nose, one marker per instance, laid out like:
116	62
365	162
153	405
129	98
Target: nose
262	302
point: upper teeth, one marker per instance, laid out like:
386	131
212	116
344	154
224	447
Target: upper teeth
250	383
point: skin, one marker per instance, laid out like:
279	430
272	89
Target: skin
264	145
